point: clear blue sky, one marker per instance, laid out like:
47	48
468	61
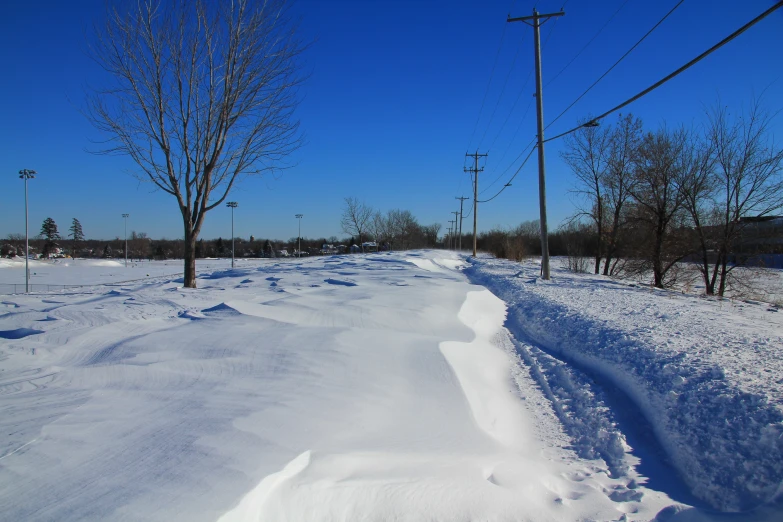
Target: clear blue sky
389	109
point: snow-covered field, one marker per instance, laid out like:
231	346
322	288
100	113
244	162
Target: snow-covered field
382	387
47	275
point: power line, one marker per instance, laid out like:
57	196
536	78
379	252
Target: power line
685	67
502	91
585	46
510	112
508	184
616	63
521	121
489	83
509	167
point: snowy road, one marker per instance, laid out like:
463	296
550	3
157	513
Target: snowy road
378	387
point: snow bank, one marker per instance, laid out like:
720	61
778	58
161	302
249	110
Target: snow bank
705	374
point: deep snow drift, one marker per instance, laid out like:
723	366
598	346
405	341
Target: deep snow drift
367	387
706	373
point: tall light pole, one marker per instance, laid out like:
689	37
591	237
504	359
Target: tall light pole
233	205
126	216
299	237
26	174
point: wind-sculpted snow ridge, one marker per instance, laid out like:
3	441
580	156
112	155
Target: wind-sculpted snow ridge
706	374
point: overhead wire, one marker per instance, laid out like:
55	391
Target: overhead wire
511	111
585	46
521	121
678	4
508	184
489	83
685	67
502	91
509	166
505	152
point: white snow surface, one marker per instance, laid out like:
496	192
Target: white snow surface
379	387
707	374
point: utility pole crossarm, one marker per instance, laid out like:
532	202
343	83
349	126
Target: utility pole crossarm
534	16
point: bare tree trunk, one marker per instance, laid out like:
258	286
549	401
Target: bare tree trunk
600	226
190	262
611	246
704	267
723	274
657	258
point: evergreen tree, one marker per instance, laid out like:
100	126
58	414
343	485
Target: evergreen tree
76	231
49	230
77	235
107	251
221	248
268	250
50	233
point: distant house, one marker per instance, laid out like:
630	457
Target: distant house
328	249
370	246
283	253
355	249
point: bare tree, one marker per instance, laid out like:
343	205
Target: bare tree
748	178
356	217
430	233
403	227
658	200
699	190
378	228
622	147
202	92
603	162
585	153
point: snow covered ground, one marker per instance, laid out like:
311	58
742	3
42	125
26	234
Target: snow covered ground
47	275
382	387
705	374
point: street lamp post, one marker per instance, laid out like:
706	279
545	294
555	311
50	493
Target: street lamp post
299	237
233	205
125	216
26	174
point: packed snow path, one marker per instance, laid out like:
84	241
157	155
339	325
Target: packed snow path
351	388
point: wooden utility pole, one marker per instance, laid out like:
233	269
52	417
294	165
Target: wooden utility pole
453	228
475	170
461	216
456	220
538	20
